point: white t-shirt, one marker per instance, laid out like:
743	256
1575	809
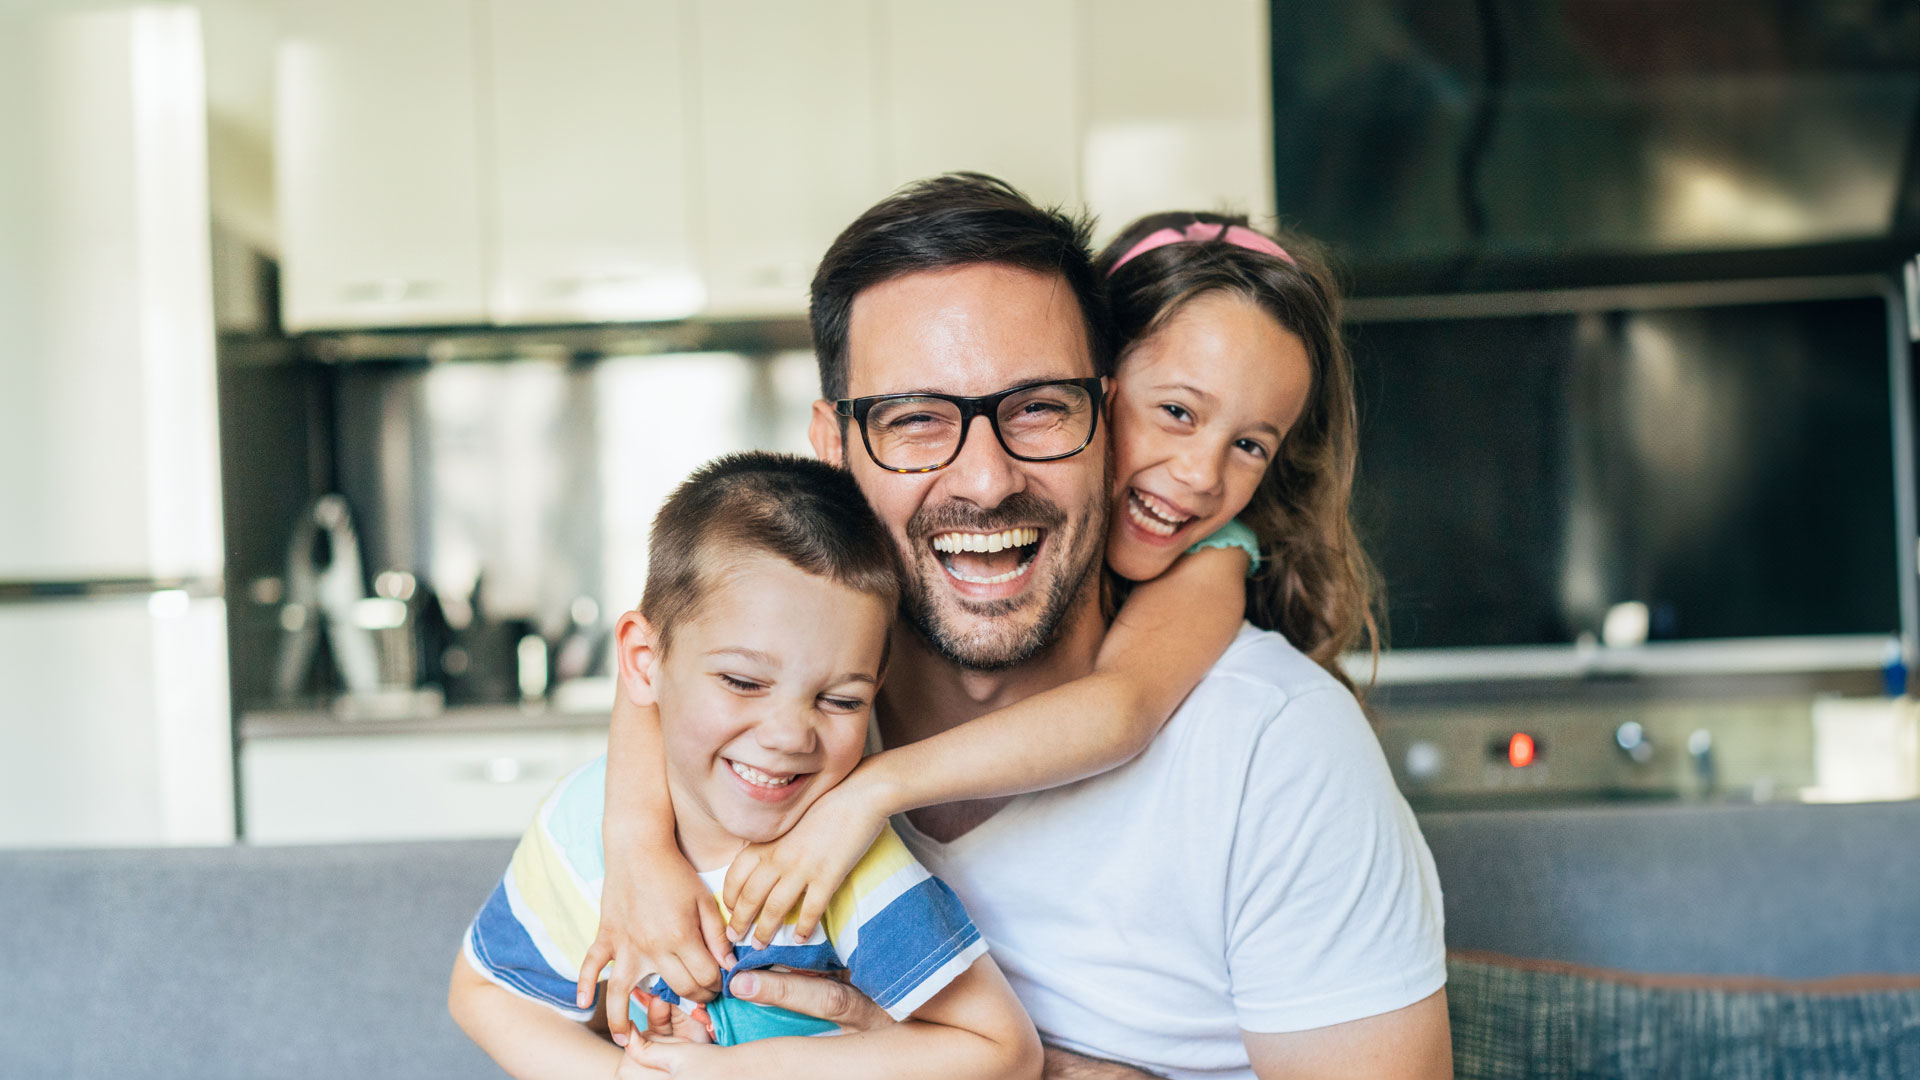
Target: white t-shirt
1254	868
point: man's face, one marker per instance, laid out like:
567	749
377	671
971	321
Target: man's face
977	330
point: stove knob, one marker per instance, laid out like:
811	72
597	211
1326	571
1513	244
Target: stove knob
1633	741
1424	760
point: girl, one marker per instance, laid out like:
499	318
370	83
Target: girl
1234	444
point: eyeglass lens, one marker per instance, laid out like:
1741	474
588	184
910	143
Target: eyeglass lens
925	432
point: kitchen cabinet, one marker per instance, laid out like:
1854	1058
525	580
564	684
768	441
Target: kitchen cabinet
789	150
502	161
377	137
346	788
988	86
589	161
1173	118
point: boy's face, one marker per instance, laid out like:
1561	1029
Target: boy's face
764	697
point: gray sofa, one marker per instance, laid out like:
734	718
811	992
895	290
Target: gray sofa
332	961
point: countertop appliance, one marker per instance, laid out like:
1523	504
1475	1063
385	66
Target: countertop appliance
115	727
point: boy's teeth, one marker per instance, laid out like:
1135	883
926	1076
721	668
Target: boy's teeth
754	776
1000	541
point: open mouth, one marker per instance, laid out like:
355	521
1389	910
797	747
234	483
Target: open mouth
988	558
1155	515
771	782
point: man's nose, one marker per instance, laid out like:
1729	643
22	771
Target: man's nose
983	474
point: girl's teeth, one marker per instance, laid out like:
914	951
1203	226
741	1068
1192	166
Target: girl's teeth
754	776
1147	515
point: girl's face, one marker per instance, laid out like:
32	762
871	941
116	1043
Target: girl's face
1199	409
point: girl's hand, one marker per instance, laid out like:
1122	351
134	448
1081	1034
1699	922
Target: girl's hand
663	920
805	866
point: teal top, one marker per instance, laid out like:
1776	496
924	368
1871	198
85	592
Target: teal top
1234	535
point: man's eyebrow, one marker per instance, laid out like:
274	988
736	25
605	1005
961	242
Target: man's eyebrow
745	653
1009	386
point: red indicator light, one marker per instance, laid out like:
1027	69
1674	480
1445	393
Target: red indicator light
1520	750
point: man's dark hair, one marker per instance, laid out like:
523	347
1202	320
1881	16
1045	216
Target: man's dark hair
793	508
943	222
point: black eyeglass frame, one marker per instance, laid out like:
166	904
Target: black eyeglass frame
987	405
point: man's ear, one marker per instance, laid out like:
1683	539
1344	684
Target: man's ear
636	648
823	430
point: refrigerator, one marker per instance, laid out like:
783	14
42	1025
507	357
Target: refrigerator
115	724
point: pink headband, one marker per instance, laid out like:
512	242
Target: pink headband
1201	232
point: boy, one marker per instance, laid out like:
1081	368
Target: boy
761	639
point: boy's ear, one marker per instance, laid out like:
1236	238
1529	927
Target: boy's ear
823	431
636	649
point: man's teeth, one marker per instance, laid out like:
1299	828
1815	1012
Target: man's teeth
754	776
1153	515
960	541
995	579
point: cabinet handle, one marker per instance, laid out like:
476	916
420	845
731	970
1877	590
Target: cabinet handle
389	290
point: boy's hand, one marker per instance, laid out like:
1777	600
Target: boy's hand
666	1021
653	1058
663	921
805	866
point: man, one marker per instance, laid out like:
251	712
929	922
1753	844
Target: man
1250	896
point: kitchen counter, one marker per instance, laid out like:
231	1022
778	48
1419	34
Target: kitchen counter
459	719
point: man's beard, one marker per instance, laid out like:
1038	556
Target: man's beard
998	645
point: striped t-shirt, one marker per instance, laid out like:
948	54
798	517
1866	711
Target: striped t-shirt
892	929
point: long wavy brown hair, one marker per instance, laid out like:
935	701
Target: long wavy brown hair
1315	585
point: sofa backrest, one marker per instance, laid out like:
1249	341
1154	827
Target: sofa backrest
238	962
332	962
1784	890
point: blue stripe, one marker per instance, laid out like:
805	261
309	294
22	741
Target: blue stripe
909	940
503	947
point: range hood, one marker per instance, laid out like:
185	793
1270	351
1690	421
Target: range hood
1479	144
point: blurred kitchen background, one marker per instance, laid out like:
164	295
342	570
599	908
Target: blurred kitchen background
347	347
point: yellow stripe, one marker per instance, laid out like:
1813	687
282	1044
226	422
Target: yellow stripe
887	857
548	890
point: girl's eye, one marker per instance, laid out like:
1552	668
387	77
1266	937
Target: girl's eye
742	685
1258	450
1177	412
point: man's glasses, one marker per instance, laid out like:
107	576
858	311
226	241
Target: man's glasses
915	433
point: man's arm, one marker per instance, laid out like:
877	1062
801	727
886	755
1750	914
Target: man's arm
527	1039
1412	1043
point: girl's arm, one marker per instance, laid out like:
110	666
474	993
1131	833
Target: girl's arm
973	1029
655	912
1167	635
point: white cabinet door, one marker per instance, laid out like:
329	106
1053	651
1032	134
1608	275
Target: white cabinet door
789	152
109	463
1175	122
988	85
115	729
349	788
377	138
590	160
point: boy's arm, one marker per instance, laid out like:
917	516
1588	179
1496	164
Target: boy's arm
527	1039
973	1029
1167	635
655	913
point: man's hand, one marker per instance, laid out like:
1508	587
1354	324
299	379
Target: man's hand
1067	1065
812	995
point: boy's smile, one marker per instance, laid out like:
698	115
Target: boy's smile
764	695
